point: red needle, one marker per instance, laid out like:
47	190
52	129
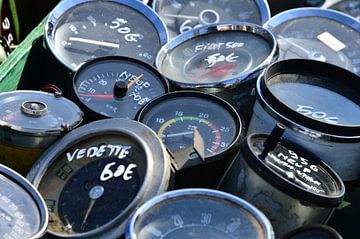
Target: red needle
217	72
98	96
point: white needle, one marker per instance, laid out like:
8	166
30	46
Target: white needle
294	44
94	42
183	16
179	134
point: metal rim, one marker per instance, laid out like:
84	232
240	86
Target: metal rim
218	195
64	6
213	28
263	6
31	190
320	227
120	59
297	121
128	128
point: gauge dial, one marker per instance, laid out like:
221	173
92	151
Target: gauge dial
117	87
332	37
195	213
223	54
183	16
22	211
175	116
350	7
79	30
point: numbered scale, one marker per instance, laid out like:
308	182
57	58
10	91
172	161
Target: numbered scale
198	213
217	58
79	30
185	15
95	176
116	87
323	116
29	122
289	185
332	37
23	211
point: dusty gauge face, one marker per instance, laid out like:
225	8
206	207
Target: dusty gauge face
23	212
323	115
332	37
198	213
183	16
288	184
350	7
80	30
30	121
116	87
93	178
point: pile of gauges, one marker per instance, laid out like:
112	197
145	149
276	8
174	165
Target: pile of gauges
265	109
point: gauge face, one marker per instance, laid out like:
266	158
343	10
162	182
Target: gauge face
318	98
185	15
91	29
38	111
92	183
198	217
117	88
327	40
215	57
350	7
174	120
19	213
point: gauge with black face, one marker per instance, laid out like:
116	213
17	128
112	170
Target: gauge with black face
94	177
183	16
23	212
332	37
116	87
220	56
198	213
174	117
350	7
79	30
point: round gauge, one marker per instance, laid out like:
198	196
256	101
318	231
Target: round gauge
350	7
198	213
116	87
79	30
96	175
185	15
30	121
313	232
332	37
175	116
216	56
23	212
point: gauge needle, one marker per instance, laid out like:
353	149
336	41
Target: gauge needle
95	193
182	16
217	72
98	96
94	42
135	80
294	44
179	134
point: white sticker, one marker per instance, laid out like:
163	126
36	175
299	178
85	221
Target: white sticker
331	41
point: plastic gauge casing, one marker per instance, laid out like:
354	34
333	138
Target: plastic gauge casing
29	122
331	37
79	30
185	15
116	87
94	177
320	103
23	210
288	184
186	213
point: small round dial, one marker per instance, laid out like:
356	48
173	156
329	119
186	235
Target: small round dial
350	7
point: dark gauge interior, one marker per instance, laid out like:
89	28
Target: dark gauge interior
117	87
184	15
320	98
92	183
350	7
99	28
199	217
174	119
327	40
37	111
215	57
19	213
317	231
